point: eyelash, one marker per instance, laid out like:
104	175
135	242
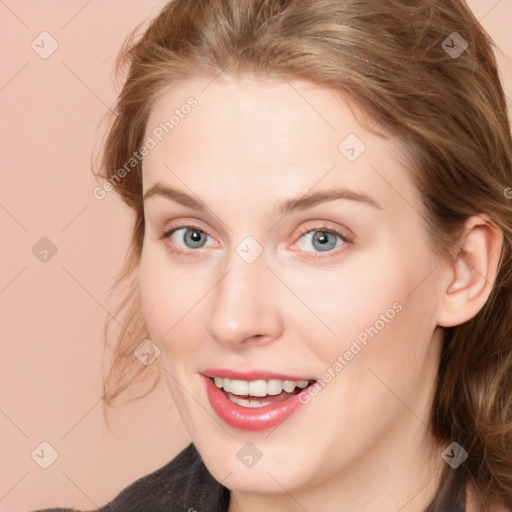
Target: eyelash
311	254
167	234
327	254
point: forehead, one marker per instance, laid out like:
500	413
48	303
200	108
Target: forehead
268	118
291	135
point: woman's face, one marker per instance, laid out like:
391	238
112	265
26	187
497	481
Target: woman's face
285	242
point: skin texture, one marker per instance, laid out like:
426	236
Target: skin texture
363	441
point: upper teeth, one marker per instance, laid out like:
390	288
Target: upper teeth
259	387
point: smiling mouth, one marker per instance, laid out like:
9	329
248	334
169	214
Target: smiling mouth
259	393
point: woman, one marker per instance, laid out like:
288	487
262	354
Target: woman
321	254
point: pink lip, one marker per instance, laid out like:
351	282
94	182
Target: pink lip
245	418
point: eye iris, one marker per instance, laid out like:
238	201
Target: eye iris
322	237
194	238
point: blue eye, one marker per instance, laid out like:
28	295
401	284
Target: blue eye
187	240
322	240
190	237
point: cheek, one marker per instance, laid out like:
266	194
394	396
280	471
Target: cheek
167	295
379	305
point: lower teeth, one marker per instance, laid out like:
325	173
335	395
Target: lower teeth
245	402
255	402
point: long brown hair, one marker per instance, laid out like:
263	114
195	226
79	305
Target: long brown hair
425	69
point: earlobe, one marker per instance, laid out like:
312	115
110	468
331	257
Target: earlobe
471	274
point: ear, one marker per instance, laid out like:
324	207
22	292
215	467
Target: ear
470	275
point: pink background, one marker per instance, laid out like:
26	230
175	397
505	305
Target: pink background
53	312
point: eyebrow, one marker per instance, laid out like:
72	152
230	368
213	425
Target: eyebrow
282	207
311	199
175	195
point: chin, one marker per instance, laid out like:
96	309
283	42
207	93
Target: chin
275	470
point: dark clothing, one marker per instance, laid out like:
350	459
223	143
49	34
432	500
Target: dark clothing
452	495
185	485
182	485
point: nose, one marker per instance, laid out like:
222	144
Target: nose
244	305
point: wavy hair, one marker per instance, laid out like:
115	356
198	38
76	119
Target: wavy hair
450	114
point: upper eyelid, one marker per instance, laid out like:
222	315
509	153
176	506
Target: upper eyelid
344	233
344	238
302	231
187	225
171	230
328	229
322	227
